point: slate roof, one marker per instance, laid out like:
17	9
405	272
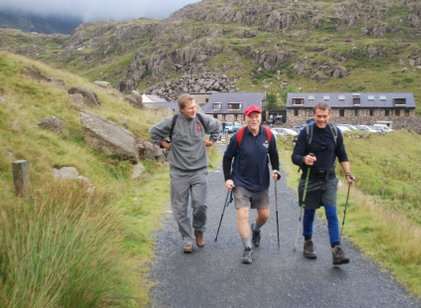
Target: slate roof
244	98
345	100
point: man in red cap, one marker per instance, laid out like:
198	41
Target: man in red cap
249	177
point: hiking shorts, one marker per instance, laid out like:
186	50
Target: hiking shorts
248	199
320	192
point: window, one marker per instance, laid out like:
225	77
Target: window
234	106
298	101
341	97
382	98
371	112
341	112
399	101
370	97
397	112
207	99
296	112
356	100
387	112
407	112
311	98
326	97
216	106
356	112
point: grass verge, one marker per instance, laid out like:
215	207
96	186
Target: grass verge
385	233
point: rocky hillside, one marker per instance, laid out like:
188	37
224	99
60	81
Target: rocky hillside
215	45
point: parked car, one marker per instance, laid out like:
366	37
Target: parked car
282	131
382	128
366	128
344	129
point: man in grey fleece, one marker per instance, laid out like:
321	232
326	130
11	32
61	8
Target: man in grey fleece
184	137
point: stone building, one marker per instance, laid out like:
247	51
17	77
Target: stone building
229	107
351	108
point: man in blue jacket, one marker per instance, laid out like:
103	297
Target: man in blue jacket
316	150
249	176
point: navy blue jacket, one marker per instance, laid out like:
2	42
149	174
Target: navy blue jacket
250	168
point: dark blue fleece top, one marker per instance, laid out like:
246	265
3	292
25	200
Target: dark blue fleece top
250	168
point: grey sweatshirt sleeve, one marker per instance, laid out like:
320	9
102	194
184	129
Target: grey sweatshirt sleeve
212	126
160	131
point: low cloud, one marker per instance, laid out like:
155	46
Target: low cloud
98	9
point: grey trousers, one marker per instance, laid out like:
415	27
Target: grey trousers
187	185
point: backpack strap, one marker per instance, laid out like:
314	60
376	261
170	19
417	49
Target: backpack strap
201	120
268	133
239	136
174	120
309	133
334	131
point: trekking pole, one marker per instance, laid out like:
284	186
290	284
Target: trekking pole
302	207
346	207
228	200
276	207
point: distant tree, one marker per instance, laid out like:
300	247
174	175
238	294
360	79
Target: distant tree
272	102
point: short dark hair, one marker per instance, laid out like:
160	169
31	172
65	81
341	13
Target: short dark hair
183	100
321	106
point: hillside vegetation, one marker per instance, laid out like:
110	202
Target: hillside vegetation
71	244
383	217
351	46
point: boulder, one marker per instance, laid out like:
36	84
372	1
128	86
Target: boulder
109	138
66	173
103	84
53	124
148	150
137	171
89	97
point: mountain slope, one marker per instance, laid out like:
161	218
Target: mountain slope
88	245
266	45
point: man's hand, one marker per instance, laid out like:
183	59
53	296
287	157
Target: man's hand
310	159
276	175
229	185
208	143
165	144
350	178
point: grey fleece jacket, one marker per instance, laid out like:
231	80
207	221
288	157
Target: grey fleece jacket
188	151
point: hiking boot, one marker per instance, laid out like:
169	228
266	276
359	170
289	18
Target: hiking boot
338	256
247	256
188	247
255	236
308	251
200	241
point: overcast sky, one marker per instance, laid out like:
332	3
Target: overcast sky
99	9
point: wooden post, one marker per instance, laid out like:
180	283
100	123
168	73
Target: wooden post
21	177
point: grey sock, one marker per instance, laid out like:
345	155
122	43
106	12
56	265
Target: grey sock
246	242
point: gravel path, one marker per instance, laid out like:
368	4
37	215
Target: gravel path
214	277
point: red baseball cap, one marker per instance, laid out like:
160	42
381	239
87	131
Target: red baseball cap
252	108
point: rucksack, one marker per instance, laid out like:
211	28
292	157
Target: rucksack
239	136
310	129
174	120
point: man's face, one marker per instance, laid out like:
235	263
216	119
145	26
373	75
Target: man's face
253	121
189	110
321	117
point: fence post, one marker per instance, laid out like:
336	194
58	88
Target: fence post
21	177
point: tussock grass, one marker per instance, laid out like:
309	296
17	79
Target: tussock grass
67	246
62	249
385	226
